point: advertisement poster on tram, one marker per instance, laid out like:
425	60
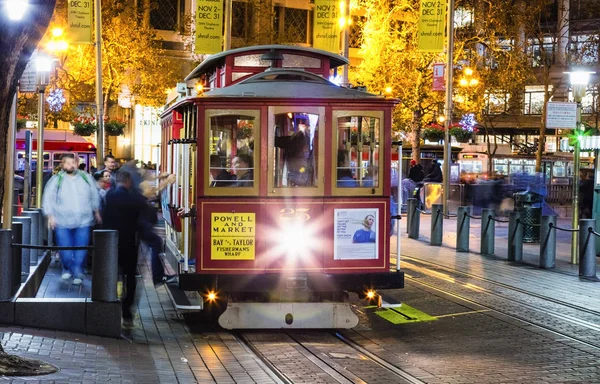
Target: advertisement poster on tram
233	236
356	234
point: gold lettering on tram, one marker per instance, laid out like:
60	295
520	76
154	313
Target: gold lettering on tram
291	214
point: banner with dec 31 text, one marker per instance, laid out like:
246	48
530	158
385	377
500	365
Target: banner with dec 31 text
432	25
79	18
326	29
209	26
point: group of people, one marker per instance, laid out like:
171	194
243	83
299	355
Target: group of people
241	174
416	175
117	198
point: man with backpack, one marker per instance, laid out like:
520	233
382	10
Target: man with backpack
72	204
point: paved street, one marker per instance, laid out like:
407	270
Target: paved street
497	322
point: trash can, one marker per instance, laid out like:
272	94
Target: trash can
530	205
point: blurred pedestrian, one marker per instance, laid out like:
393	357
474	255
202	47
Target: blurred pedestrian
71	202
434	173
415	175
122	212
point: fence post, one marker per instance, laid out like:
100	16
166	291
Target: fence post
587	249
17	237
35	234
6	267
437	224
463	223
488	231
25	239
42	235
105	265
414	219
15	207
547	242
515	236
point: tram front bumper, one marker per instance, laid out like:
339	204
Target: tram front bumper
270	282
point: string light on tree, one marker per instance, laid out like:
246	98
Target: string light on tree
468	122
56	100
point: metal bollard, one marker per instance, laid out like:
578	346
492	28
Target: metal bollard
15	206
414	219
105	265
437	224
26	239
17	237
515	237
547	242
35	234
463	229
43	234
6	265
587	249
488	231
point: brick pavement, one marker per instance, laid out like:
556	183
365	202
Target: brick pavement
162	350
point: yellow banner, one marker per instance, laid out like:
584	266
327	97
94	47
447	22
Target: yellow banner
432	25
209	26
326	30
232	236
79	17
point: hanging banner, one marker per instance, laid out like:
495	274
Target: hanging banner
326	31
439	81
79	17
432	24
209	26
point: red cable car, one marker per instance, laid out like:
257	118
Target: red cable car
288	176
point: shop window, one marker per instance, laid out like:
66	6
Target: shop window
296	150
231	155
358	152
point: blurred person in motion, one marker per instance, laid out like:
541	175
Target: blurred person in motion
434	173
103	183
72	204
122	212
415	175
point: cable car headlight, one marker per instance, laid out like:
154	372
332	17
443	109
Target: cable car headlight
294	240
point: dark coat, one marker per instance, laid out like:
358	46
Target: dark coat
416	173
435	173
123	212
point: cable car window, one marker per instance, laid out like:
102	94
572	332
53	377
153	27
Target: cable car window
231	152
357	152
296	150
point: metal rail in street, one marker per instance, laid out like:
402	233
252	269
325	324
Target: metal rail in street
570	319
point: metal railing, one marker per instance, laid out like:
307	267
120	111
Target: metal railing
516	226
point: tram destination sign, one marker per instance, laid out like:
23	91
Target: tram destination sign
561	115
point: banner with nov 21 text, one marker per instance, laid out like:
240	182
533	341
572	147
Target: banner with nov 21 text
79	18
209	26
432	25
326	31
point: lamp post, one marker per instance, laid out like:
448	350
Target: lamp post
579	81
448	107
15	9
43	67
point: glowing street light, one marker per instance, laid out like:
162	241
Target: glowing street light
15	9
579	81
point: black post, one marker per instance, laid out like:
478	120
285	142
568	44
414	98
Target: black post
17	232
6	265
105	265
587	249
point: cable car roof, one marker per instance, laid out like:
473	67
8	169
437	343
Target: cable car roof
218	58
288	83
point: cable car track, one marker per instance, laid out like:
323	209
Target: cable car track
326	365
507	313
504	285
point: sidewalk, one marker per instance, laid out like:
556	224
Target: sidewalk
160	349
561	283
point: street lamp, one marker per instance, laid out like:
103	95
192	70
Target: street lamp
15	9
43	68
579	81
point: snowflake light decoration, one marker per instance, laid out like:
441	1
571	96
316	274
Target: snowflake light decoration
468	122
56	100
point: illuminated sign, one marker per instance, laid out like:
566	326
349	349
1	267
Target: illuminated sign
432	26
561	115
233	236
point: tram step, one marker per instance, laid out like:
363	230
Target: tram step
184	300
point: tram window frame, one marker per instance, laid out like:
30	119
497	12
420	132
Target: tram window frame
232	191
319	188
358	190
